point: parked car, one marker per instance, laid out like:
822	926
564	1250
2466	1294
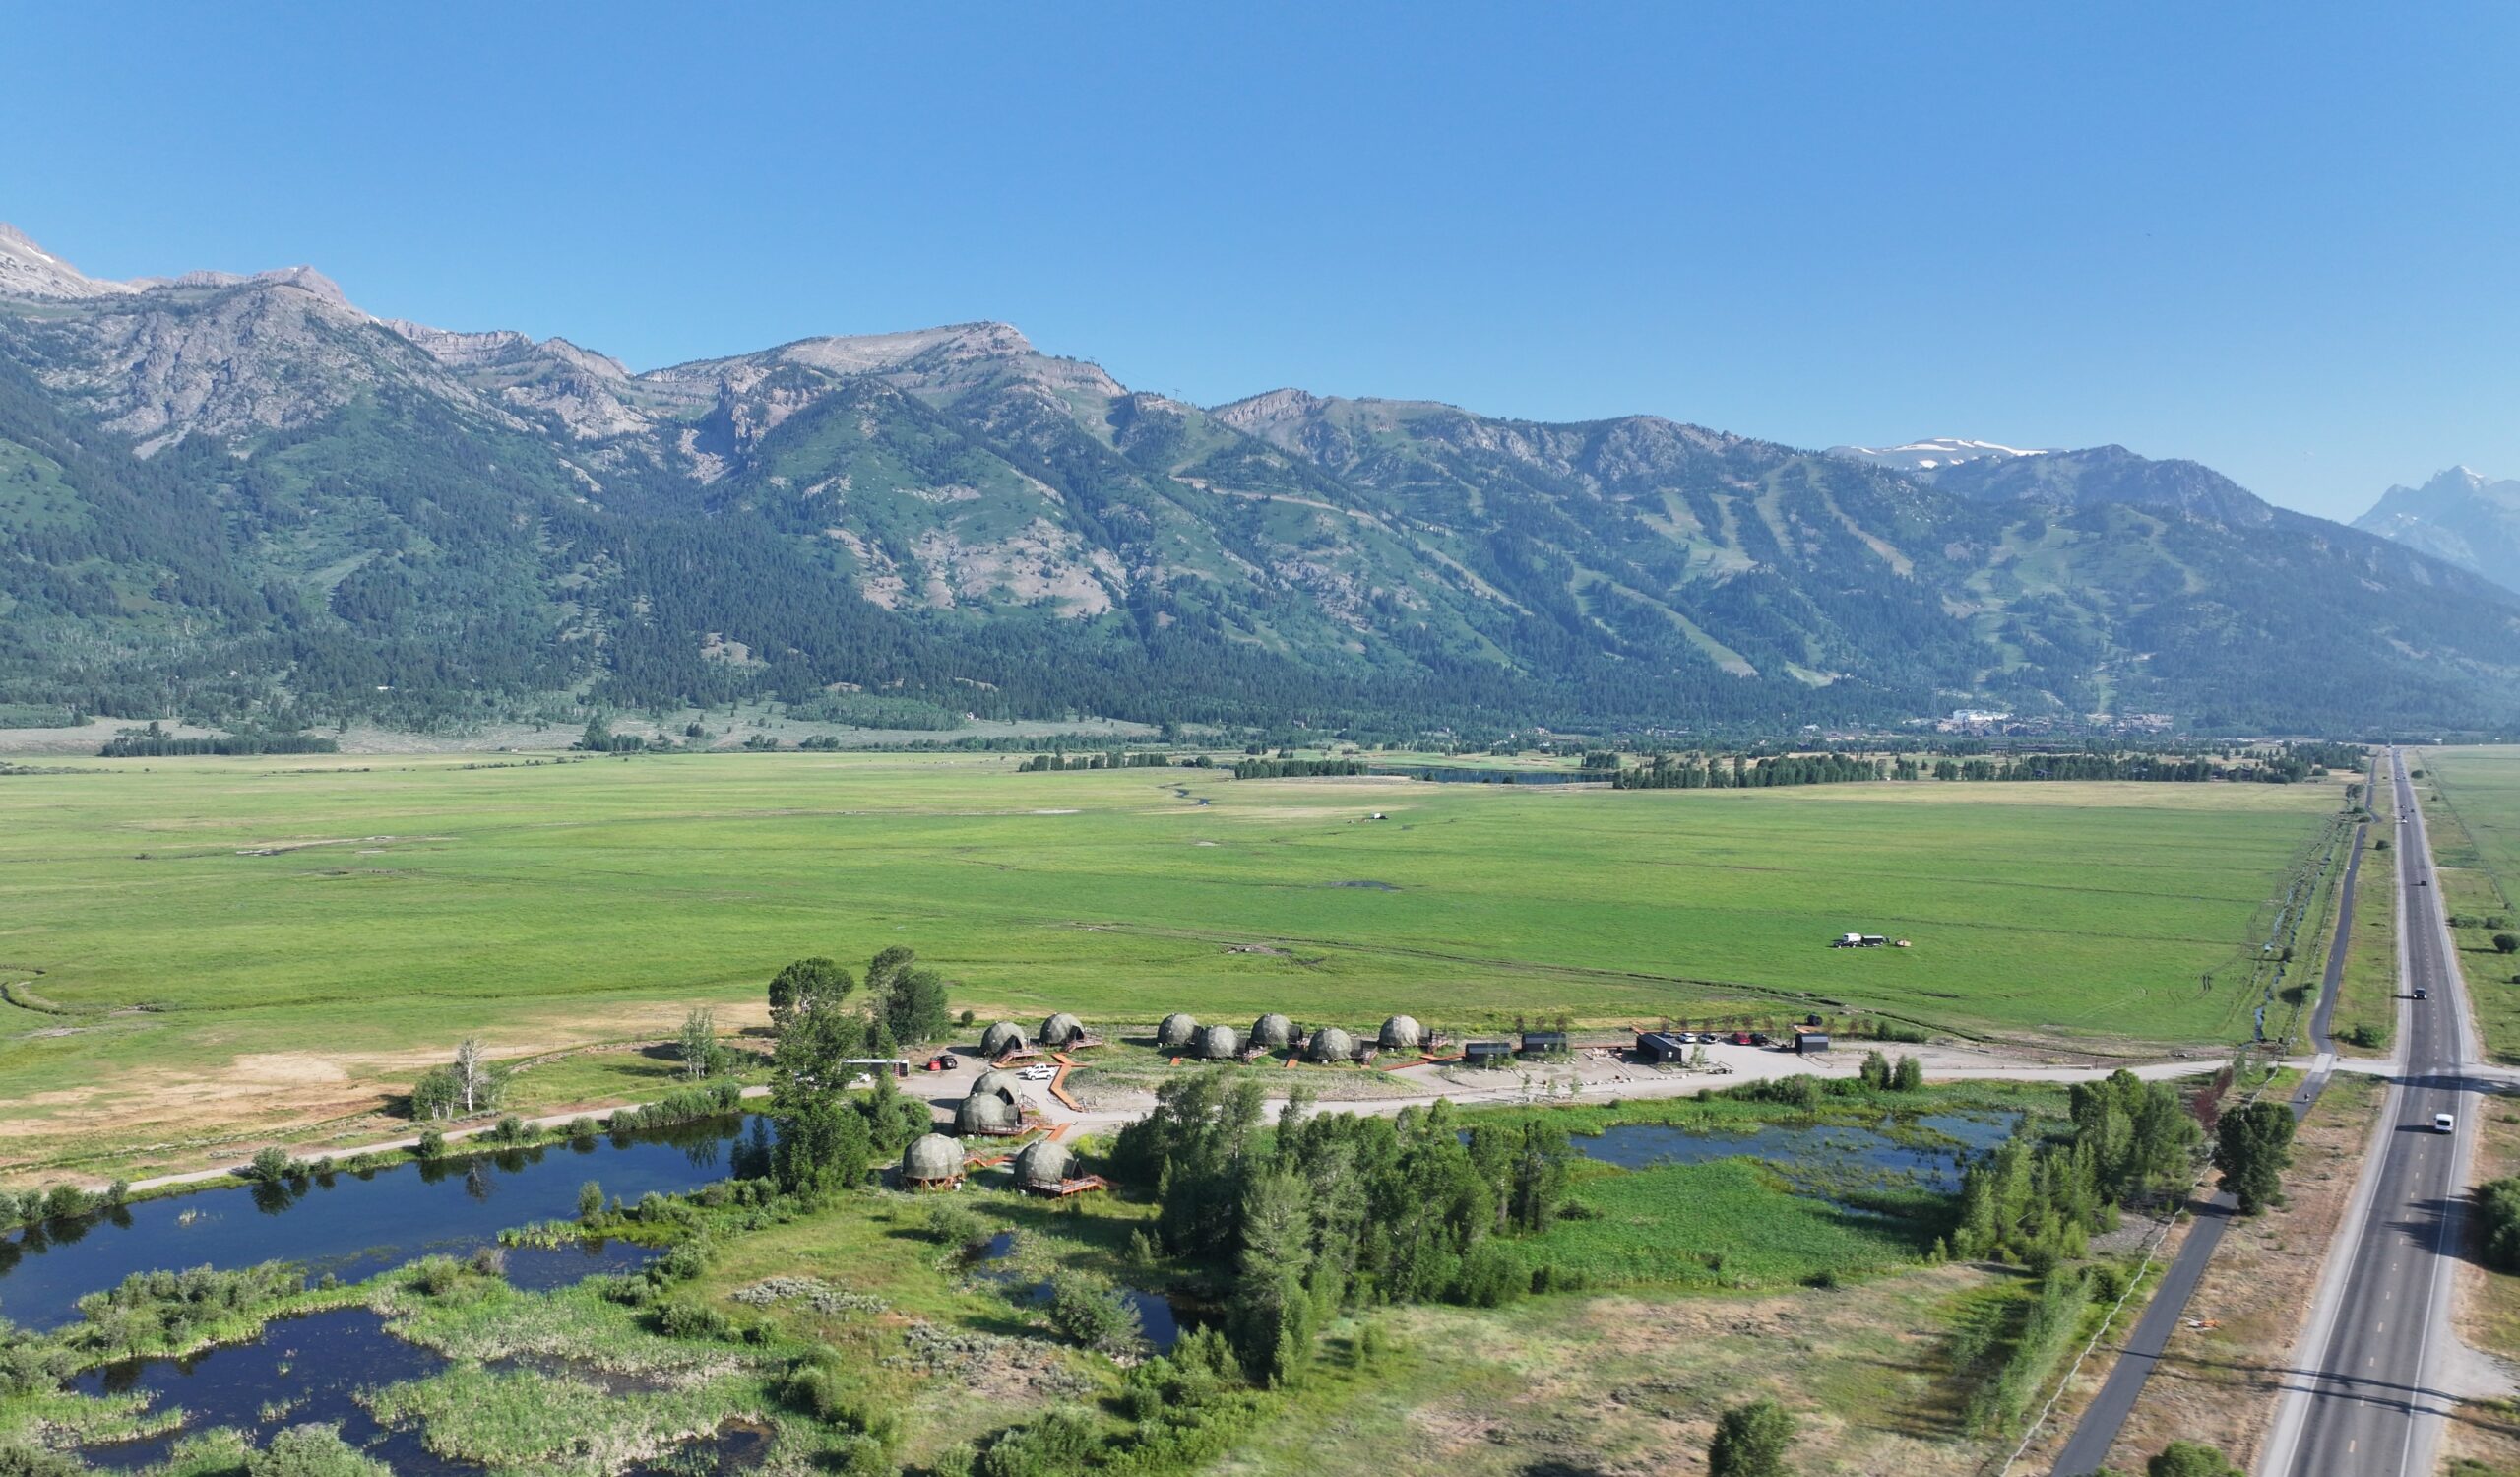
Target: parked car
1039	1073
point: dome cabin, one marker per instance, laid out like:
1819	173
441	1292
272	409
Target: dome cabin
1059	1030
1272	1033
1330	1044
1000	1079
1176	1032
933	1162
1043	1168
1220	1044
1004	1037
1401	1032
989	1113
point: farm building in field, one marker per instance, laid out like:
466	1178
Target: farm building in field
1543	1043
1004	1037
1176	1032
1220	1044
1486	1053
1660	1048
933	1162
1401	1032
1330	1044
1809	1039
1272	1033
1062	1030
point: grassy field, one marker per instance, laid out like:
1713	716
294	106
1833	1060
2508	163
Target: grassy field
2472	806
2367	1015
193	943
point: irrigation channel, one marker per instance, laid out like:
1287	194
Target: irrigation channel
314	1368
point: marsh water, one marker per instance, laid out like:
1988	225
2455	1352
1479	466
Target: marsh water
1929	1150
1462	774
355	1225
313	1367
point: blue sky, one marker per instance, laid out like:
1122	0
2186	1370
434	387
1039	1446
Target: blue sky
2280	241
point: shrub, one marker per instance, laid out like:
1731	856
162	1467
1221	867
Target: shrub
270	1166
118	1192
433	1145
694	1321
312	1451
437	1276
511	1130
2190	1460
1089	1310
66	1203
589	1201
2506	944
1750	1440
2367	1036
956	1225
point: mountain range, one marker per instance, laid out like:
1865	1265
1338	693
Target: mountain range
243	499
2459	516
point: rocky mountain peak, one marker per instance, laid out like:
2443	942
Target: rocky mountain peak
26	270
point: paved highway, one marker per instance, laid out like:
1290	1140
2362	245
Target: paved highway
2087	1448
2367	1399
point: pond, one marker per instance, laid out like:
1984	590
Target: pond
301	1370
1929	1150
312	1369
355	1225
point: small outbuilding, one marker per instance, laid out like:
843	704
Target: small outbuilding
1545	1044
1487	1053
1176	1032
1004	1037
1272	1033
1808	1040
1059	1030
1220	1044
932	1161
1401	1032
992	1115
1661	1048
1330	1044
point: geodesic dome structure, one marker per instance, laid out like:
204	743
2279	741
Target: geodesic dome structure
1059	1030
1176	1032
988	1113
1401	1032
1273	1033
1043	1164
1004	1037
932	1159
1000	1079
1220	1044
1330	1044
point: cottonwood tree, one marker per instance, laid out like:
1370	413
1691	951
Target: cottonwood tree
702	1056
2254	1148
805	980
477	1080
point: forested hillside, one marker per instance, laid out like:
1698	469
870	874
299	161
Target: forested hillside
246	500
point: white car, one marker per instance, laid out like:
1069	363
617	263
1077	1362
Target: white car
2445	1123
1039	1073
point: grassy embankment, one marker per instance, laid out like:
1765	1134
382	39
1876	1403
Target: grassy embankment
2471	801
221	948
2367	994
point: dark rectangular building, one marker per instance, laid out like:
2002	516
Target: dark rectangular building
1660	1047
1543	1043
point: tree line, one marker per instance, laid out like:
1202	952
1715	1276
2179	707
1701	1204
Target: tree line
1334	1210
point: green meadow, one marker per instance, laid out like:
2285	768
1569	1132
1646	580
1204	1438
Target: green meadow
290	933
